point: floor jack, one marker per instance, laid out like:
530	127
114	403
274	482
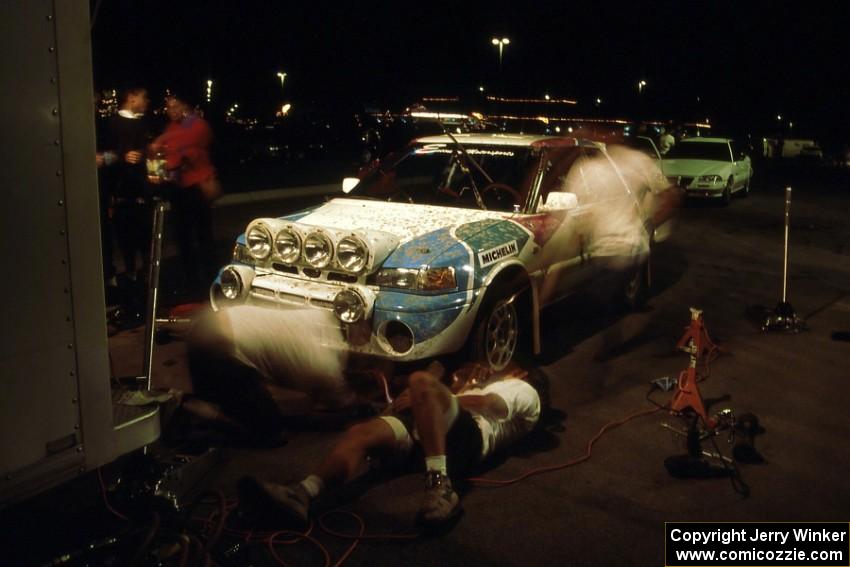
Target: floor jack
687	403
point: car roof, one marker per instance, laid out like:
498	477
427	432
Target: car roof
709	140
521	140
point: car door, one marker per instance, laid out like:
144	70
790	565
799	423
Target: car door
559	230
740	165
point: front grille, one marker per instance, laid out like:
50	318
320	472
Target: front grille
284	268
337	277
680	181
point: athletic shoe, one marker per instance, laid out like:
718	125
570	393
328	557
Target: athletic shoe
441	503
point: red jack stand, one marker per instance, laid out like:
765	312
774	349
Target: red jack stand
698	344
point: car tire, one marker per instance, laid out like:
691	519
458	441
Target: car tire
727	193
496	335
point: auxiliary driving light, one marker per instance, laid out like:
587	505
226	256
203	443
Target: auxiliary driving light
231	283
349	306
352	254
287	244
259	241
318	250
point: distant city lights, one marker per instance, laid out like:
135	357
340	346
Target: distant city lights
548	99
209	90
440	99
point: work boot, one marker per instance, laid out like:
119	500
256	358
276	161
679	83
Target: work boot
441	503
291	501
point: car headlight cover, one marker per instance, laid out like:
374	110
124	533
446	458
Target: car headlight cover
352	254
349	307
259	241
318	249
425	279
287	244
231	283
709	179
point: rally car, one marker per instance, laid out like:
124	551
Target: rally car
456	242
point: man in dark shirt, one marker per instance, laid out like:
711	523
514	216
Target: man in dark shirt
129	133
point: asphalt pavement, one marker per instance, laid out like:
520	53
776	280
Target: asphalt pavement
611	509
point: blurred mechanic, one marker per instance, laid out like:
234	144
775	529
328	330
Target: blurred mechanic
235	353
450	432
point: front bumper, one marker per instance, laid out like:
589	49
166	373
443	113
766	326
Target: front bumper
397	326
704	192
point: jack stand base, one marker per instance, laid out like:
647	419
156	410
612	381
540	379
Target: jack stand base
783	318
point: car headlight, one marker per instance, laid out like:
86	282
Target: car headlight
287	244
352	254
241	254
259	241
231	283
318	250
425	279
349	306
709	179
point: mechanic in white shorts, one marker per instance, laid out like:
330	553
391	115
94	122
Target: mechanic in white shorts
450	432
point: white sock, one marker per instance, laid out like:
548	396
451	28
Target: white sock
313	485
436	463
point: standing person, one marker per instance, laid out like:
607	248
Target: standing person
128	135
449	432
185	143
666	141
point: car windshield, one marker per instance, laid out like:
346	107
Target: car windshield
443	175
715	151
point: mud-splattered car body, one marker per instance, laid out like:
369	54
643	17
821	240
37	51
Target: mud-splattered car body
456	240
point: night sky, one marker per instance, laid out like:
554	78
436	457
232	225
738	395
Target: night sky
746	61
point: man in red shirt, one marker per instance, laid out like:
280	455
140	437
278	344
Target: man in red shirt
185	143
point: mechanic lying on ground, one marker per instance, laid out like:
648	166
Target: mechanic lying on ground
451	432
235	353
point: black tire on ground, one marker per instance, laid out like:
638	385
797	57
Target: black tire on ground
727	193
500	328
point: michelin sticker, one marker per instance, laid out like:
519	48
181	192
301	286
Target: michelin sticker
493	255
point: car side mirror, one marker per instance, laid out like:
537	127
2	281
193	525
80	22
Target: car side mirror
349	183
559	201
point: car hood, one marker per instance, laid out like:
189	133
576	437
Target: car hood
404	220
421	233
694	167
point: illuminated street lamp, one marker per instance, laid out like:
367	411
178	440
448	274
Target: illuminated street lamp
209	90
641	85
481	88
500	43
281	76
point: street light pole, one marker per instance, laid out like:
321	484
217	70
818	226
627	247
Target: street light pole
500	43
281	76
